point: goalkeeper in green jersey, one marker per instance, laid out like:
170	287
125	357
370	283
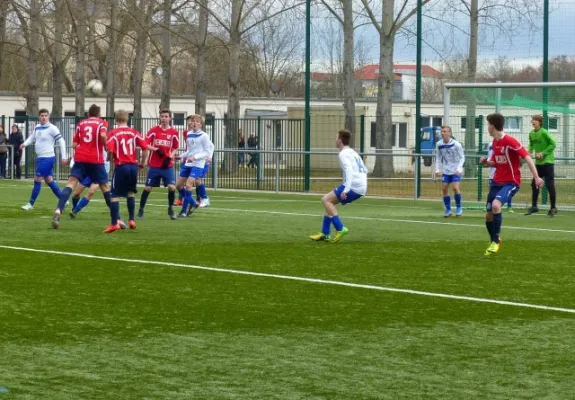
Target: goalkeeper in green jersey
542	144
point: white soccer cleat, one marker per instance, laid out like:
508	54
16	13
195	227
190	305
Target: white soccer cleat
67	203
27	207
204	202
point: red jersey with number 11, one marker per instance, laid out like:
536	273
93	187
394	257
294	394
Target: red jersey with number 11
123	142
89	147
507	154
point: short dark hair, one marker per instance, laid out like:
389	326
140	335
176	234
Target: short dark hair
497	120
43	111
94	111
345	136
165	111
538	117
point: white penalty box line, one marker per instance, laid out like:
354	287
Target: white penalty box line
299	279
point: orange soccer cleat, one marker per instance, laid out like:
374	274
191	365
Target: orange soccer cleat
112	228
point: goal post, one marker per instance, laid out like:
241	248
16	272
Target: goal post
466	104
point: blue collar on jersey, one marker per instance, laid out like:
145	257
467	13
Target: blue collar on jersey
42	127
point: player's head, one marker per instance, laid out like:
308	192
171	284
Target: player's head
43	115
197	122
121	117
189	122
94	111
446	133
537	121
165	117
343	138
495	122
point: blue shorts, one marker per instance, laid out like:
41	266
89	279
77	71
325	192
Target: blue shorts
95	172
191	172
450	178
124	180
45	166
157	175
502	192
351	195
87	182
206	169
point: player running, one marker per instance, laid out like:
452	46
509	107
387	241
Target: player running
354	187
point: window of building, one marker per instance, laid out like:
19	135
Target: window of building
512	124
20	116
179	118
553	124
478	122
399	135
431	121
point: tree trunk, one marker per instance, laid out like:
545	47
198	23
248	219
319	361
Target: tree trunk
81	16
3	11
348	62
166	57
32	100
230	141
470	112
111	60
57	60
140	61
383	140
201	59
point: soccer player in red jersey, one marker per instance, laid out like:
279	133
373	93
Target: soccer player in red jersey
161	162
89	156
122	148
506	157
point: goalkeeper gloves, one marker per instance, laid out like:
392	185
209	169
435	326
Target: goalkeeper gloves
166	162
161	153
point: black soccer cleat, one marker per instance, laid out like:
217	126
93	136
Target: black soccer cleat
532	210
171	213
140	214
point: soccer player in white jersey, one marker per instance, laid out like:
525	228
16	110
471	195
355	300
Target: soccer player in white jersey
199	151
354	187
44	137
449	159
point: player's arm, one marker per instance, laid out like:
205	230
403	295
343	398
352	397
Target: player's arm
60	140
552	144
438	162
175	146
29	140
211	149
347	172
538	181
111	147
461	154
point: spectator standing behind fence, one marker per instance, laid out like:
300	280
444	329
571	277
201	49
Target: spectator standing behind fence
3	152
253	145
543	145
15	140
241	146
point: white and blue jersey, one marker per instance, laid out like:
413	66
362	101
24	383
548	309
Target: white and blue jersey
199	146
44	137
354	176
449	157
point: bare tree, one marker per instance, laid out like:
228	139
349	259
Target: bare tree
3	16
143	13
391	22
201	44
166	55
346	20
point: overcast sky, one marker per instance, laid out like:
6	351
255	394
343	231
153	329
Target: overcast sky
523	46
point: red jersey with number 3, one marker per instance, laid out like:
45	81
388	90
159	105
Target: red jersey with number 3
123	142
507	154
89	147
165	139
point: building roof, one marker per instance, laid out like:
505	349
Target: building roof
371	72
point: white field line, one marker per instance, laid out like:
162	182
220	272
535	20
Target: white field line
300	279
375	219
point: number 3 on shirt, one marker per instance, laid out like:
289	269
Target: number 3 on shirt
360	165
88	131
